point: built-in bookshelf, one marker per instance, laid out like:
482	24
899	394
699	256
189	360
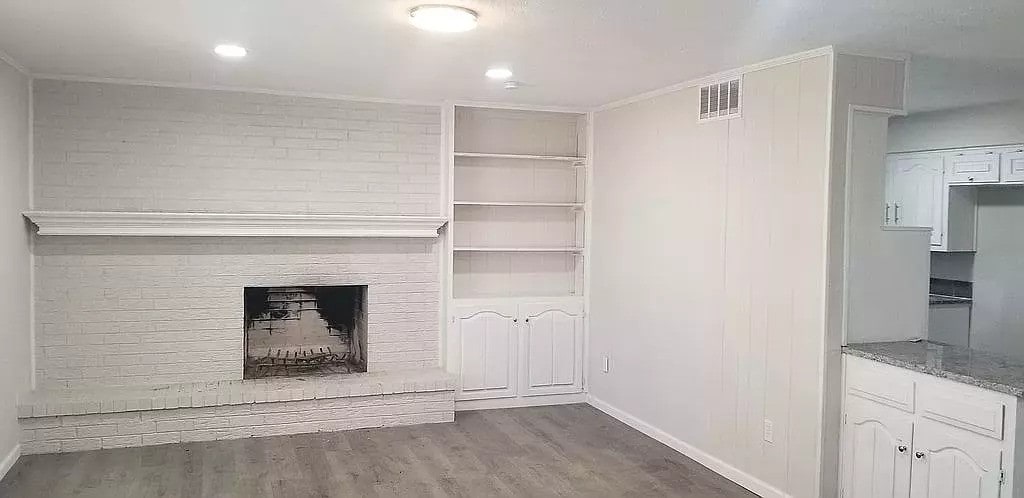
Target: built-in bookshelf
519	191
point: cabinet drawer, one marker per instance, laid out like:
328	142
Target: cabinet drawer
880	383
973	167
968	408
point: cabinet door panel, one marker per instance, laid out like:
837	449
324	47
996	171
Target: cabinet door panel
1013	167
949	463
873	464
918	195
488	347
553	345
973	167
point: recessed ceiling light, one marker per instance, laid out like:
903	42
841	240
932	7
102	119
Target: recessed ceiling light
442	18
499	73
230	51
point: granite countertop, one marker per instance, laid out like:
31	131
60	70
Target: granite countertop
942	299
977	368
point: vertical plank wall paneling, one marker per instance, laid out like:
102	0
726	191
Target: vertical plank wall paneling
715	320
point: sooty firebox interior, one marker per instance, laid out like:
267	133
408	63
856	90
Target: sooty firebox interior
306	330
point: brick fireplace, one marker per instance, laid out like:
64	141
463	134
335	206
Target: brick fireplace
142	339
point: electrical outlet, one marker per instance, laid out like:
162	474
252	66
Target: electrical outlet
606	363
769	433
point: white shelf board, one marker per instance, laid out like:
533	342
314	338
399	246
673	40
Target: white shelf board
572	159
518	249
164	224
517	203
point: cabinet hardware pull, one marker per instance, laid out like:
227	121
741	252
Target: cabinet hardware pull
896	211
527	320
970	179
919	455
515	320
902	448
886	213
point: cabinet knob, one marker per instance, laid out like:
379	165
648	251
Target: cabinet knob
527	320
919	455
902	448
970	179
515	320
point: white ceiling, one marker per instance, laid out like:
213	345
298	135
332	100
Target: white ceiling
567	52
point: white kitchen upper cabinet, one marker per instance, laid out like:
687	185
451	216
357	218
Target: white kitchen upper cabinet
488	341
916	193
876	450
973	167
1012	166
553	348
950	463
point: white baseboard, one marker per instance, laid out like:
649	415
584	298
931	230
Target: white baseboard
731	473
10	460
525	401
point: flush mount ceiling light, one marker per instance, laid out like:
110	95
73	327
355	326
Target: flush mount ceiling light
442	18
229	51
499	73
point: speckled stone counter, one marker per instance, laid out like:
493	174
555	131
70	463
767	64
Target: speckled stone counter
977	368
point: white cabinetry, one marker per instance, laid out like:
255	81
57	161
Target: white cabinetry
915	193
1012	166
981	166
529	349
918	194
488	340
553	348
908	434
517	254
877	450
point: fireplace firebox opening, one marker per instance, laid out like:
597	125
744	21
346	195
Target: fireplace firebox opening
307	330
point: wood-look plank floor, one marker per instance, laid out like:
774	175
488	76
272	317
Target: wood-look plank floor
571	450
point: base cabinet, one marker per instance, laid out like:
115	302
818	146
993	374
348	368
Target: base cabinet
907	434
524	349
877	450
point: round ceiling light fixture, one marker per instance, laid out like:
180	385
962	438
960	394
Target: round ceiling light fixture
443	18
499	73
229	51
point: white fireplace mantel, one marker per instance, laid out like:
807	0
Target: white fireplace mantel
163	224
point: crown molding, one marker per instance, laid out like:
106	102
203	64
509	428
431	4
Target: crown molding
231	88
165	224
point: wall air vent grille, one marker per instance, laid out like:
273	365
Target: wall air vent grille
720	100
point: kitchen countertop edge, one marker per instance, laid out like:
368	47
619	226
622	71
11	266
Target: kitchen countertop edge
1012	389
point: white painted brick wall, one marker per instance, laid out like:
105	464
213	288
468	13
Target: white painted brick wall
126	311
152	310
116	430
106	147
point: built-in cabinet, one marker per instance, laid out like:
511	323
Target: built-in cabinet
530	349
517	244
908	434
934	189
915	193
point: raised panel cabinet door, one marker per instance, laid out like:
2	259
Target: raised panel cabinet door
553	348
488	342
950	463
918	193
876	450
973	167
1012	164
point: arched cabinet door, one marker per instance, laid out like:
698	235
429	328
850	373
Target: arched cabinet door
949	463
552	361
488	338
876	450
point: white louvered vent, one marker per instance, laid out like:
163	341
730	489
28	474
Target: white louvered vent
720	100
